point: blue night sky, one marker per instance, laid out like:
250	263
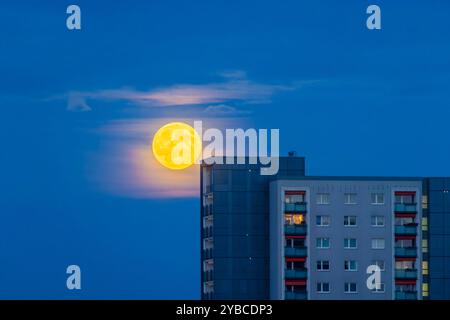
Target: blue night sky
79	108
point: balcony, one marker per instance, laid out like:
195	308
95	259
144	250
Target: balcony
405	207
295	207
295	274
406	274
406	252
405	295
290	295
406	229
295	229
295	252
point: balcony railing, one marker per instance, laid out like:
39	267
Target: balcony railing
295	274
405	207
406	230
406	252
295	252
405	295
406	274
295	207
290	295
295	229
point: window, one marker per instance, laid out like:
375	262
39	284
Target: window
377	198
425	224
323	243
323	221
350	198
350	287
425	267
350	265
323	287
424	245
379	263
377	221
323	198
350	243
425	291
404	265
208	243
294	197
378	244
294	219
405	199
350	221
323	265
380	289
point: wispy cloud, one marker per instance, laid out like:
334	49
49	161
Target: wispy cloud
234	87
224	110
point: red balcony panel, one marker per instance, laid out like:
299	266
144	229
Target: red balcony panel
301	259
409	237
405	193
405	282
296	282
405	259
295	237
405	215
293	193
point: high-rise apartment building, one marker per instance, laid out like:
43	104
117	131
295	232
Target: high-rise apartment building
292	236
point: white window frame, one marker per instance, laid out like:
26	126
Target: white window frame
321	241
321	287
349	242
348	196
321	266
349	264
377	195
321	222
376	240
376	263
376	221
348	218
320	198
348	284
381	290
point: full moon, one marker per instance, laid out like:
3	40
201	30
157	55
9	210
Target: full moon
176	145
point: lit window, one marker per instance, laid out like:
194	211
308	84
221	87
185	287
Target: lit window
377	198
323	198
323	221
350	198
323	243
323	287
424	268
424	202
378	243
350	265
377	221
294	218
425	289
350	287
350	221
350	243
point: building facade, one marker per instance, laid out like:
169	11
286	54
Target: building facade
296	237
235	228
326	231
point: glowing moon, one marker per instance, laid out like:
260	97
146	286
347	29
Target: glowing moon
176	145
